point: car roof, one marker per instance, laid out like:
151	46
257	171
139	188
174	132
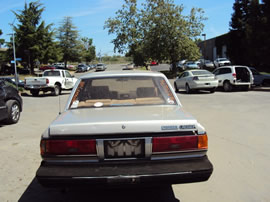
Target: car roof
121	73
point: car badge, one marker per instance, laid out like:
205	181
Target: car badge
123	127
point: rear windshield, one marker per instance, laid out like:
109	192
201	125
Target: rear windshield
51	73
201	72
122	91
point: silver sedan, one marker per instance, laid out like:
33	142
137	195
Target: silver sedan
196	80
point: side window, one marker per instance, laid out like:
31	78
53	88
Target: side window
63	75
185	74
216	72
68	75
225	71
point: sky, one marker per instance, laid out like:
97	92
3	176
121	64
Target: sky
89	17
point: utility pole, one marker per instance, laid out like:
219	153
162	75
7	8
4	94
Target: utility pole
14	55
204	49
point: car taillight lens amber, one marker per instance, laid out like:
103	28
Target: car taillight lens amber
179	143
67	147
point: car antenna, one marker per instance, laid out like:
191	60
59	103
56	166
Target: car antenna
59	100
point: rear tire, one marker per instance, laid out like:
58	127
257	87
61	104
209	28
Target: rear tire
34	92
57	90
188	89
227	86
246	88
13	111
213	90
175	86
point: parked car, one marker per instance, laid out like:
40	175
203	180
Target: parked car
260	79
196	80
221	62
180	65
11	103
192	65
101	67
51	80
60	65
234	76
153	63
123	128
46	67
12	80
129	67
206	64
81	68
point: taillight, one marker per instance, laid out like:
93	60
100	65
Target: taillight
47	81
234	75
179	143
67	147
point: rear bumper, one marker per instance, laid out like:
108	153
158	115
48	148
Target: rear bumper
151	173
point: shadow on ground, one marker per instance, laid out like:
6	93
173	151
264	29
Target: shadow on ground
26	94
35	192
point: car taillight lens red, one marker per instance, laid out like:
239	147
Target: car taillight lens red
67	147
234	75
179	143
47	81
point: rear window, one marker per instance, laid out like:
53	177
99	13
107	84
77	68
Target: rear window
122	91
51	73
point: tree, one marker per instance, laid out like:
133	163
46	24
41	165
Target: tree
68	40
157	31
33	38
2	54
249	33
89	50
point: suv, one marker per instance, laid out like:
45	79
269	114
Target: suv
234	76
221	62
10	103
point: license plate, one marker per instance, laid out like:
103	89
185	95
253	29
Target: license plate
130	148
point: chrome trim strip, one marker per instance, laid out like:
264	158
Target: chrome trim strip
71	161
100	149
184	151
148	147
135	176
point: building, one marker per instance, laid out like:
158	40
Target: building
214	48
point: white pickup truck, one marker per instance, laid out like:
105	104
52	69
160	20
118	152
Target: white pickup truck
51	80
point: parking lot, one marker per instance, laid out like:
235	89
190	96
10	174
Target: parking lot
238	130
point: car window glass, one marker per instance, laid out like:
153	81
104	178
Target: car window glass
68	75
225	71
52	73
122	91
216	72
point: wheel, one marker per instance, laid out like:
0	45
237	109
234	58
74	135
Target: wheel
175	86
34	92
13	111
227	86
212	90
188	89
57	90
246	88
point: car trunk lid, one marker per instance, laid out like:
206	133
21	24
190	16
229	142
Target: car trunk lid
112	120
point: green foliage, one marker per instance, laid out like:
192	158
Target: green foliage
68	40
2	54
156	30
249	41
88	51
34	40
